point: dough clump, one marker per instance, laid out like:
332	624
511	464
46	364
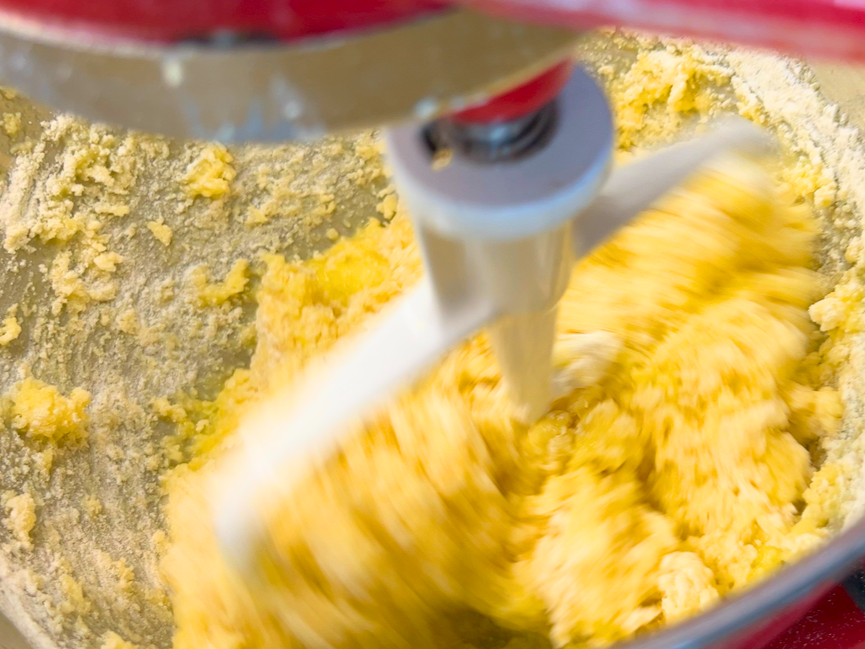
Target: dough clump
673	476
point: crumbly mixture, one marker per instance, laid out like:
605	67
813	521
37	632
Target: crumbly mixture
162	232
21	518
215	293
12	123
105	306
10	329
95	302
640	499
114	641
40	411
211	173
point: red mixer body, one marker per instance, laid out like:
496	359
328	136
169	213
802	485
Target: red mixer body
834	28
819	27
173	20
835	623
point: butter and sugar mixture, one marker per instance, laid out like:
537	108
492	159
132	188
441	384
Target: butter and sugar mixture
675	475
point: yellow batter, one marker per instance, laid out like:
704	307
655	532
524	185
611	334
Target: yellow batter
677	476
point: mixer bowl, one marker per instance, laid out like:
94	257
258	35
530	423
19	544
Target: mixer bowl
143	339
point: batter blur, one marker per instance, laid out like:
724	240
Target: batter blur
676	472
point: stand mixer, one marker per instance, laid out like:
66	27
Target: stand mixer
496	250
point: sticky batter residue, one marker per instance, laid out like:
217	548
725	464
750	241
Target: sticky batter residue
673	477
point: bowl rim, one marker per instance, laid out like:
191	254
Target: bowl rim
814	574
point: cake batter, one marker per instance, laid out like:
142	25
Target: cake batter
675	476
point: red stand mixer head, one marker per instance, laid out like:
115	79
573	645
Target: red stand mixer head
820	27
202	68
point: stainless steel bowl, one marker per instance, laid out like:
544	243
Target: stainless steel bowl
177	346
